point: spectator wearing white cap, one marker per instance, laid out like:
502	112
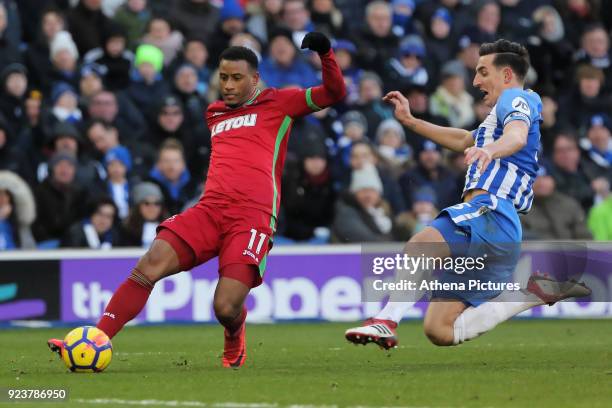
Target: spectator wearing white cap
362	215
392	146
64	57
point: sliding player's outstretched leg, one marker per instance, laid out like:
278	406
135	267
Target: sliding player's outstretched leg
381	329
168	255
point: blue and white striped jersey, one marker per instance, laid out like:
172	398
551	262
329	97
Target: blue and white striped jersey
509	177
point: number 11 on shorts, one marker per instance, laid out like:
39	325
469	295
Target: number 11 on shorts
262	238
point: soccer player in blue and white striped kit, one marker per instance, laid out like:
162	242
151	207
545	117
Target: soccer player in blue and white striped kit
502	164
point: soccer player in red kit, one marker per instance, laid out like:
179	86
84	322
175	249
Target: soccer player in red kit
235	219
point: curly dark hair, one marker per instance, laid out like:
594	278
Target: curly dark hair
238	53
508	54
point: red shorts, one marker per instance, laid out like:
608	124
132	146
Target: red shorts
236	235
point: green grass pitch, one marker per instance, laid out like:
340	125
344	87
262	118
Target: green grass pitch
519	364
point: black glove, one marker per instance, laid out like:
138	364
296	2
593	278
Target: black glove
317	42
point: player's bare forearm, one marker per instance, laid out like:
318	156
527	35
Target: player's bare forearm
451	138
512	140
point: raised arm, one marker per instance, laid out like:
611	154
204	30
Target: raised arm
301	102
333	88
452	138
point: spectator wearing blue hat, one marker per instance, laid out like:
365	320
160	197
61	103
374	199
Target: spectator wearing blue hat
438	42
461	13
422	211
64	102
408	67
231	22
403	23
118	163
90	83
345	55
430	172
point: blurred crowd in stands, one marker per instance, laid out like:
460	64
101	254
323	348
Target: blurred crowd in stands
102	130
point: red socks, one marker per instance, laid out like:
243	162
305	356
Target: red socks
129	299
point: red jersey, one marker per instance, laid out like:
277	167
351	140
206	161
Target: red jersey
249	143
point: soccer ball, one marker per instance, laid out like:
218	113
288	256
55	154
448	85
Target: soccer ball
87	349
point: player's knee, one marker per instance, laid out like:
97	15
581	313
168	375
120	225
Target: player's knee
226	311
438	334
154	264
